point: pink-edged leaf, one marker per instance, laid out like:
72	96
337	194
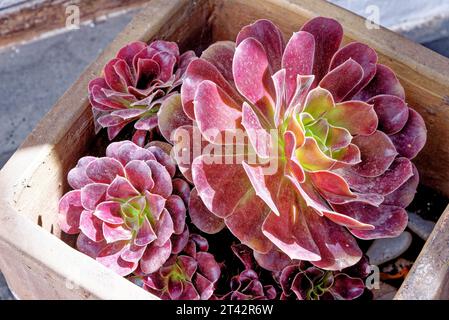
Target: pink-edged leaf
318	102
92	194
257	178
252	76
356	116
110	257
337	247
269	35
132	253
347	156
171	116
146	234
384	82
201	217
77	177
391	111
124	72
207	266
91	226
113	232
147	70
303	84
155	203
138	174
389	221
180	241
404	195
412	138
246	222
189	292
258	136
166	62
162	179
104	170
184	61
215	112
220	54
347	288
175	206
70	209
343	79
113	79
110	212
275	260
175	288
289	231
311	157
147	123
328	34
378	153
125	151
295	169
182	188
121	188
198	71
400	171
91	248
128	52
204	287
154	257
165	46
110	120
298	59
163	228
363	55
164	158
279	83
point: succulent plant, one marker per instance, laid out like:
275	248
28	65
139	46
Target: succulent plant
247	284
302	281
332	120
124	207
189	275
137	84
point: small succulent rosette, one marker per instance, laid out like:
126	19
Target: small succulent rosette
138	83
190	275
327	148
302	281
125	207
247	285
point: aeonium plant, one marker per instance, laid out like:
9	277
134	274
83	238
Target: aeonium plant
327	143
140	82
125	207
302	281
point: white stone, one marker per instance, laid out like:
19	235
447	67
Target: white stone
418	225
385	292
384	250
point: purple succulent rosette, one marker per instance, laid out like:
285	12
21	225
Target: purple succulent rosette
247	284
189	275
344	140
301	281
125	207
136	85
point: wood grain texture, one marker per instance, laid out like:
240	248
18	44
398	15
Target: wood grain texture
32	18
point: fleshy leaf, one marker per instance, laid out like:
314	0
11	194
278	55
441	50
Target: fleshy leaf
201	217
391	111
412	138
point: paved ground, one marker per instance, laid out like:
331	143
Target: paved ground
34	76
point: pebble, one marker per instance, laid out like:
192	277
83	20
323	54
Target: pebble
385	292
384	250
418	225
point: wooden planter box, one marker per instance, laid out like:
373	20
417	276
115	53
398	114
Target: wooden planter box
38	264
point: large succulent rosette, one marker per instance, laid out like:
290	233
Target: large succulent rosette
332	120
189	275
124	208
301	281
137	84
